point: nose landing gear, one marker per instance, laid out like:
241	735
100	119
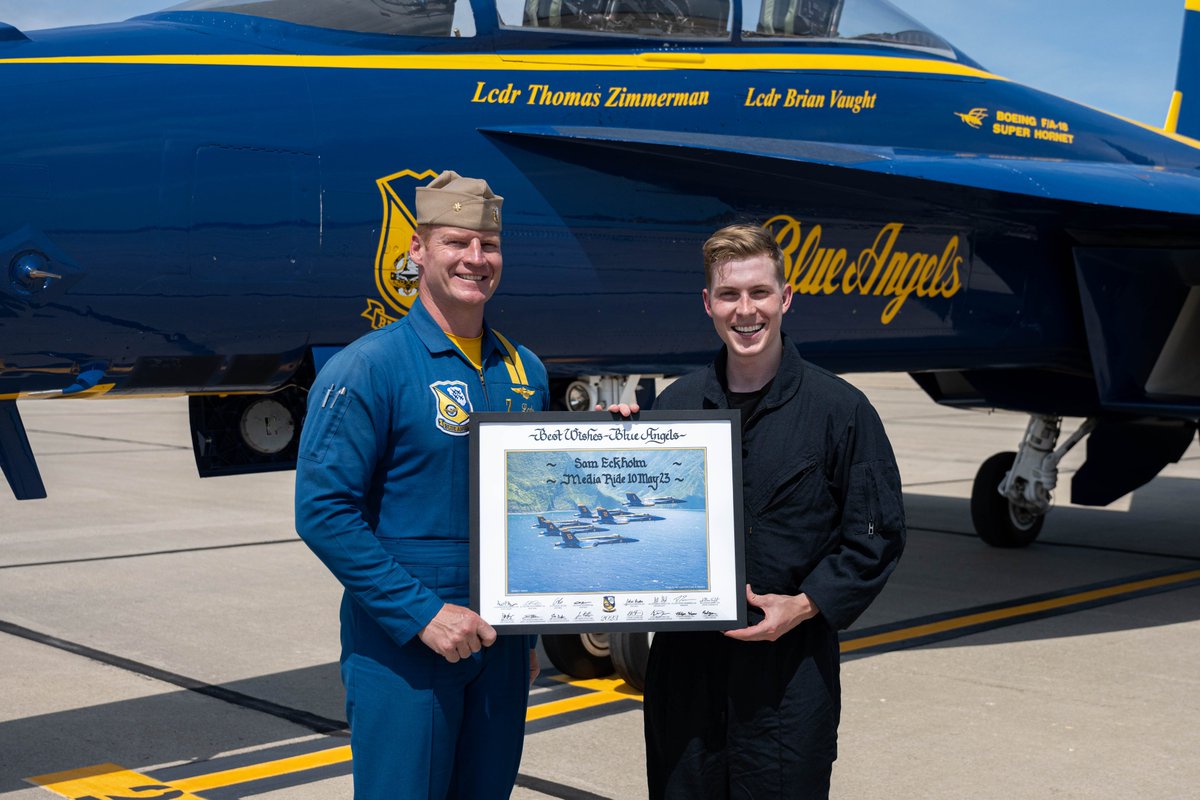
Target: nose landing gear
1013	491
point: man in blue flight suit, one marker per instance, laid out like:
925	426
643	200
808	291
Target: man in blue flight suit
436	700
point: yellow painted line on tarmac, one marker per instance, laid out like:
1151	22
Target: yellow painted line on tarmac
107	780
268	769
985	617
112	780
556	707
601	685
603	691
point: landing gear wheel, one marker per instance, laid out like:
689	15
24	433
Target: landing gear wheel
630	653
997	521
584	655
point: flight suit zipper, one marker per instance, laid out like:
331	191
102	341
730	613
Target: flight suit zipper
483	385
871	505
758	412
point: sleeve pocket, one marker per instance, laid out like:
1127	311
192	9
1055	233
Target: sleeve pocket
888	495
319	432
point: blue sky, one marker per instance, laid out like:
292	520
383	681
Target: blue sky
1118	55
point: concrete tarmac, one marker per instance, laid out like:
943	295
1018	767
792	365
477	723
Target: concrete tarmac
176	628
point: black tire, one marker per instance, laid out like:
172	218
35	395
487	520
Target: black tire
580	655
630	654
997	521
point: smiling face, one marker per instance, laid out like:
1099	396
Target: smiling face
747	302
460	270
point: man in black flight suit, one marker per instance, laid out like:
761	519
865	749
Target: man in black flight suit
753	713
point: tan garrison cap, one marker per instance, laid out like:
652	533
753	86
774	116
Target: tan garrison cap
451	199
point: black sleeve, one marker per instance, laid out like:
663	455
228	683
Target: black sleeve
872	528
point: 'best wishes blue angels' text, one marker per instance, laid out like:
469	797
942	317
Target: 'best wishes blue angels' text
646	435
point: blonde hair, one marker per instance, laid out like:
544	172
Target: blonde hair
738	242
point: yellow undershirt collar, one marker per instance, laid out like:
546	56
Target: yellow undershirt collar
471	347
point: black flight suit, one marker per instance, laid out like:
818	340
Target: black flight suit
823	516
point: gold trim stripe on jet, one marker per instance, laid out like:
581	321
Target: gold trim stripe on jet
546	62
1172	122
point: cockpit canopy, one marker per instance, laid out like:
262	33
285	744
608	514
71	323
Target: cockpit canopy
393	17
760	20
875	20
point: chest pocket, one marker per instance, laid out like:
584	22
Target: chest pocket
517	398
793	485
792	525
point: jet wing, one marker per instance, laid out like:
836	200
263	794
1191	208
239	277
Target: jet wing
1119	185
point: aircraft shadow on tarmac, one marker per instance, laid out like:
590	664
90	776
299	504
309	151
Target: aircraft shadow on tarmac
184	726
947	572
172	727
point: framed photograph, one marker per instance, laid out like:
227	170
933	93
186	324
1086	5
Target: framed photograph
584	522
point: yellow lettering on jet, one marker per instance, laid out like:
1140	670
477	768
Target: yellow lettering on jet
881	270
1018	119
541	94
1054	136
853	102
621	97
807	99
770	98
507	95
1020	131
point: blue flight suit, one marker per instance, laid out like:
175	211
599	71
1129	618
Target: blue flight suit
382	499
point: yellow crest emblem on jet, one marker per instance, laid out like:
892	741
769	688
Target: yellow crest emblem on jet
974	117
395	276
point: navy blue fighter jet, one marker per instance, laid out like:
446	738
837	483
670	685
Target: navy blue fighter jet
572	541
620	517
559	528
211	199
636	501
